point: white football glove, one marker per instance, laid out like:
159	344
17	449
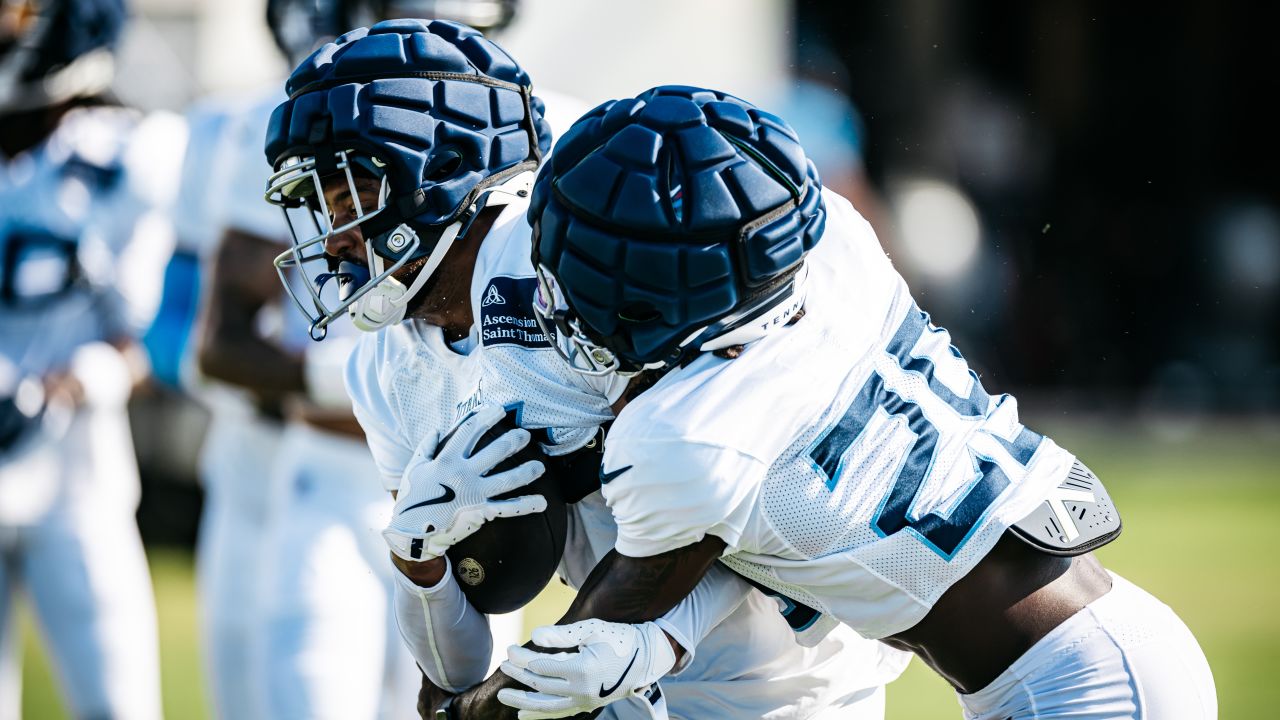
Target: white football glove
609	662
444	495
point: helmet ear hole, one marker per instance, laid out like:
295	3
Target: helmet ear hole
638	313
443	166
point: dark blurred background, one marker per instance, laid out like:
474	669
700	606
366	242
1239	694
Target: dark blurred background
1122	162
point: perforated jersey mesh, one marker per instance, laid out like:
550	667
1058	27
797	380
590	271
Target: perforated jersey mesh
430	387
431	392
834	519
890	472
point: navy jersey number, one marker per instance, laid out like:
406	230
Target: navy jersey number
943	533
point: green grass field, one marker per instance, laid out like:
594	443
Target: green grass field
1198	519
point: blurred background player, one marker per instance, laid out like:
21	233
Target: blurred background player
308	635
84	189
288	635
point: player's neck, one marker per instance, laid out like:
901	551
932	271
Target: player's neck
452	310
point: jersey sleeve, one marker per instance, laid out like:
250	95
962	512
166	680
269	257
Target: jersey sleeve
375	411
666	494
197	215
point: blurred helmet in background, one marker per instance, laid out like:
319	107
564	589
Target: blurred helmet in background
669	224
433	114
52	51
301	26
487	16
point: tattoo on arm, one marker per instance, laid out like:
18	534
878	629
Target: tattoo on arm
619	589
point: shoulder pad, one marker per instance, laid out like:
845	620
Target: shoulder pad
1077	517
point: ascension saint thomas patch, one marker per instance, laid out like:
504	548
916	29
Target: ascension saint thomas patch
506	314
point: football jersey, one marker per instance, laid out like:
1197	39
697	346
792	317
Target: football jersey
246	210
85	234
408	385
851	462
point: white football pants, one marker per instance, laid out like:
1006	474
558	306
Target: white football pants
70	544
235	466
327	646
1125	655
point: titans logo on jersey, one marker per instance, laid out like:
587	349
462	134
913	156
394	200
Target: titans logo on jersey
506	314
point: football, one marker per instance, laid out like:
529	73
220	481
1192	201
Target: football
508	561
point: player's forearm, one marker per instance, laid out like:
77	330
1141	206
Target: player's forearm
481	702
251	363
231	347
631	590
447	637
619	589
715	598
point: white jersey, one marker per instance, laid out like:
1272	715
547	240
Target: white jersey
851	462
408	384
84	233
244	209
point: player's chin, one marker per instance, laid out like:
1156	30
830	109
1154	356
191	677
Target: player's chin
407	275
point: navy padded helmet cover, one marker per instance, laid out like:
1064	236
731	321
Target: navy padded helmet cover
411	93
642	208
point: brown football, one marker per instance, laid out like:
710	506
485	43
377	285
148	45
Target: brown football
508	561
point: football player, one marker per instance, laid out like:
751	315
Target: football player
251	611
84	192
286	635
406	154
806	425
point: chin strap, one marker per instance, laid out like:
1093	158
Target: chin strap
386	303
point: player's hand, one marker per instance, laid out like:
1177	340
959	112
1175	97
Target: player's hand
605	662
445	494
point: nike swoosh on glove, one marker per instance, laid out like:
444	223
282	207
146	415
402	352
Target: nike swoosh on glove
445	496
607	662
